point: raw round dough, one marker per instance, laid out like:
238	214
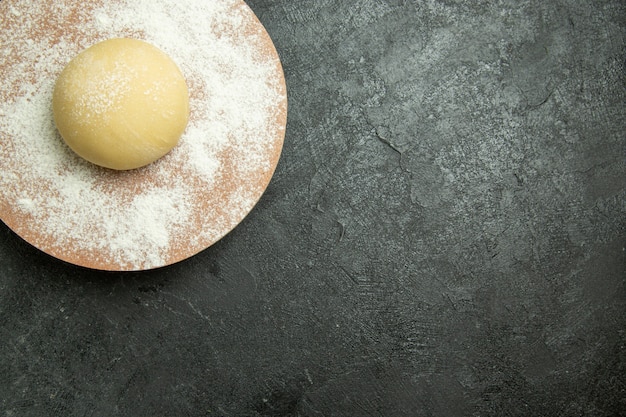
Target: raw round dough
121	104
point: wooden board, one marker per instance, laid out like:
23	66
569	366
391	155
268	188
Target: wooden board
179	205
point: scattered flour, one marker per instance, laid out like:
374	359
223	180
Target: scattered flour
185	201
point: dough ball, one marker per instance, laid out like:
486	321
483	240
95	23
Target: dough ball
121	104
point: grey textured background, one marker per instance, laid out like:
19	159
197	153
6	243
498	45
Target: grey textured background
444	236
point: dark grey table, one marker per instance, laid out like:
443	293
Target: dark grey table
444	236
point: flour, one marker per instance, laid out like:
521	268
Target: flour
144	218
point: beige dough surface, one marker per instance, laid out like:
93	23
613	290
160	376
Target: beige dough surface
121	103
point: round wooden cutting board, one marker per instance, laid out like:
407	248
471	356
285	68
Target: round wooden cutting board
182	203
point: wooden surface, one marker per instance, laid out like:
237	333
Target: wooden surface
215	209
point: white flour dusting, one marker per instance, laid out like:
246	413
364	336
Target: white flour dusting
136	219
